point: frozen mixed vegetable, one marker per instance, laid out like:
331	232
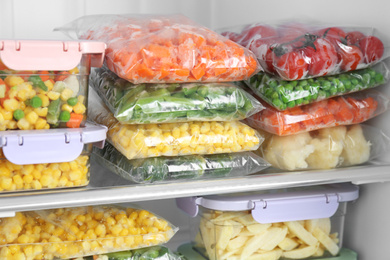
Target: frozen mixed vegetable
170	48
325	148
236	235
342	110
147	253
167	103
43	176
74	232
283	94
296	51
41	99
171	139
180	167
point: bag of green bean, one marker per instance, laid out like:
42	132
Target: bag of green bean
160	169
282	94
171	103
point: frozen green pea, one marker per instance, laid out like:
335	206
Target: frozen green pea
333	90
303	83
273	83
36	102
18	114
379	78
72	101
275	95
299	101
64	116
277	103
289	87
291	104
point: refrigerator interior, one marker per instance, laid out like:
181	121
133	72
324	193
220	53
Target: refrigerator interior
367	225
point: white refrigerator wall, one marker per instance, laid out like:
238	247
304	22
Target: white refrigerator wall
367	223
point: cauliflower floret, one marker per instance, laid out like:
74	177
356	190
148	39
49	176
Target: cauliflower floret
328	147
289	152
356	147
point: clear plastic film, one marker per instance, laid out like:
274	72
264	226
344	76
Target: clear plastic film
283	94
342	110
76	232
325	148
170	48
161	169
294	50
147	253
168	103
172	139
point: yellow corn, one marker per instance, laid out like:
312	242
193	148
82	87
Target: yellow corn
183	138
49	84
79	108
67	107
56	233
13	81
53	95
66	94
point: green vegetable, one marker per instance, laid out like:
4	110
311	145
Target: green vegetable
53	112
123	255
283	94
36	102
64	116
37	82
72	101
18	114
168	103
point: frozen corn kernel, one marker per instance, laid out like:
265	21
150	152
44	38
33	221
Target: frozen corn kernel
13	81
66	94
79	108
183	138
43	176
57	233
52	95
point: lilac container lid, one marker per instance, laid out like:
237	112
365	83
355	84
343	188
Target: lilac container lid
280	205
49	145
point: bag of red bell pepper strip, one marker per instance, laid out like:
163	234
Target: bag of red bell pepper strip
343	110
296	51
165	49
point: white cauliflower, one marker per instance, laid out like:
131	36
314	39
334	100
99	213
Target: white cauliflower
328	146
356	147
288	152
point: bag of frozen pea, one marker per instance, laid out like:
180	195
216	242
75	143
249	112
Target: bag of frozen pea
175	102
173	139
282	94
164	48
165	168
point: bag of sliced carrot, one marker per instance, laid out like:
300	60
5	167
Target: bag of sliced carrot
165	49
343	110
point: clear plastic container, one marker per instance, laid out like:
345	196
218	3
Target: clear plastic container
47	159
300	223
44	84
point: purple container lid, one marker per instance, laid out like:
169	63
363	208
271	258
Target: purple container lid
278	205
50	145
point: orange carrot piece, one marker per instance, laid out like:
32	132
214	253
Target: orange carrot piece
198	71
44	74
62	75
75	120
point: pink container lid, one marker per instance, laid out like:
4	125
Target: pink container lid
49	55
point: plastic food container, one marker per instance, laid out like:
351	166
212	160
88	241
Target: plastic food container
297	223
77	232
47	159
171	103
44	84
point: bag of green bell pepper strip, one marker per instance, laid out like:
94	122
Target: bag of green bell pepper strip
147	253
159	169
169	103
283	94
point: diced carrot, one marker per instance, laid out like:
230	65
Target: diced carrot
333	106
182	72
61	75
75	120
158	51
198	71
44	74
144	72
344	115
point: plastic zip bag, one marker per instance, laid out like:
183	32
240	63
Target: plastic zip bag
153	140
343	110
169	103
164	48
147	253
160	169
325	148
283	94
296	51
75	232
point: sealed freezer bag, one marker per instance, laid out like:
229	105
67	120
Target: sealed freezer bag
160	169
168	103
153	140
296	51
170	48
76	232
343	110
282	94
325	148
147	253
